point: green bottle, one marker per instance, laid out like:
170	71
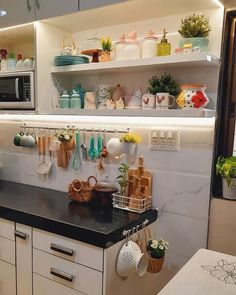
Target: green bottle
164	48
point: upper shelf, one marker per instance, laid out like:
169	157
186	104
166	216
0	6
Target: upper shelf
180	60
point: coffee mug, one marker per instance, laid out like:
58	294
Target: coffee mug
163	100
148	101
103	94
89	100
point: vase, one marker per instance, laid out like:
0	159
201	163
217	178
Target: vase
62	157
155	264
130	148
229	192
201	42
69	144
105	56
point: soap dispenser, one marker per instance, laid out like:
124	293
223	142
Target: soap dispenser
164	48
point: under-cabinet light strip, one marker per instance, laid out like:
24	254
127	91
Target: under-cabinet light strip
105	120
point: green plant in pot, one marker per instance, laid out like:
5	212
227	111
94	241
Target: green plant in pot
194	30
226	168
122	178
165	88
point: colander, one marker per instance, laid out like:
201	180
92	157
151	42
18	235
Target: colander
131	260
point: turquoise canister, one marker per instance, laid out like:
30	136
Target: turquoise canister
65	100
75	102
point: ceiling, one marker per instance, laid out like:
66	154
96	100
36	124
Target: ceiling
20	34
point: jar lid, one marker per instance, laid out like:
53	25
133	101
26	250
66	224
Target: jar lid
150	36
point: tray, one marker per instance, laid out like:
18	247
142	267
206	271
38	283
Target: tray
131	204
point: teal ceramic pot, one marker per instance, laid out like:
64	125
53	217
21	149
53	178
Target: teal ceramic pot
201	42
17	139
75	103
64	103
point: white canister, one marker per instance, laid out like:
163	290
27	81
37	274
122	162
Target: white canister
132	50
120	46
149	47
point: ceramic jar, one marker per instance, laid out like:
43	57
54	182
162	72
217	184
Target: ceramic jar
149	46
192	96
132	50
65	100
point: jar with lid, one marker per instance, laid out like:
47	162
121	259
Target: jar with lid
120	46
149	46
132	48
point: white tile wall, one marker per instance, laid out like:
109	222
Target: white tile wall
181	182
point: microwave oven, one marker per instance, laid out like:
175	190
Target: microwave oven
17	91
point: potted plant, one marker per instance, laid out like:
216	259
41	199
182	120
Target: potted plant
164	88
106	49
130	141
194	30
156	250
226	168
122	179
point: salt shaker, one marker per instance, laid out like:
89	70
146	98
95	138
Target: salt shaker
149	46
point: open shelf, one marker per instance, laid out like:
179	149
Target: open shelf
191	113
198	59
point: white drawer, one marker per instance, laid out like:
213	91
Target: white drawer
7	229
7	250
7	279
75	251
43	286
72	275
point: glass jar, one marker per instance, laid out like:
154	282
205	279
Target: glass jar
149	47
132	50
120	46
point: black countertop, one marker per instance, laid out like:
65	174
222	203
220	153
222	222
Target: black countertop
53	211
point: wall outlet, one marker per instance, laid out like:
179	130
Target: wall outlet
165	139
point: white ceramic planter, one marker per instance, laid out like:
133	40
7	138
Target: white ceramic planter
229	192
129	148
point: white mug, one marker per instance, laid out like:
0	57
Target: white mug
148	101
163	100
89	101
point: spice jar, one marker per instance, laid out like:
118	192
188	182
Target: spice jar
149	46
132	48
120	46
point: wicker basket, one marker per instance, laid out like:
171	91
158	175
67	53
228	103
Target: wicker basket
81	191
155	265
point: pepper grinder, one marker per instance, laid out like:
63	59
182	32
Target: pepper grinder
164	48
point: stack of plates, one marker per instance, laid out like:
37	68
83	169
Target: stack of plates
65	60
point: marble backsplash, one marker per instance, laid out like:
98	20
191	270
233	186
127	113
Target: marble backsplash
181	182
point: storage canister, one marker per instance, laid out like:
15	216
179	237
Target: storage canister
149	46
120	46
132	48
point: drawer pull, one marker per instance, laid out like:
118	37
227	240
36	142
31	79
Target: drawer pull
61	274
62	249
20	235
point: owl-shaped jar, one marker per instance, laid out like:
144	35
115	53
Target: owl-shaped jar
192	96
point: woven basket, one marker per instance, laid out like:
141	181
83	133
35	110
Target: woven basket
155	265
81	191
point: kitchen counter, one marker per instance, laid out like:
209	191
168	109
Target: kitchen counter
206	273
53	211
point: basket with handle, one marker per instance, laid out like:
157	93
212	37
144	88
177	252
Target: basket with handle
82	191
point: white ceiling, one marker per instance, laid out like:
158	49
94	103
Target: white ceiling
126	12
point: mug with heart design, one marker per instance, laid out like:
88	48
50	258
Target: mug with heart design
148	101
163	100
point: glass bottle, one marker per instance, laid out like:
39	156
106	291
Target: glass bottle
11	65
164	48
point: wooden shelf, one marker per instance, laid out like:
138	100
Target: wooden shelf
199	59
194	113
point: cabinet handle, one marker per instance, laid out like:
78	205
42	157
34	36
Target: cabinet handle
61	274
28	5
62	249
38	4
20	235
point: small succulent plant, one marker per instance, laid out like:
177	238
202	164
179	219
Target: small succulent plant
195	25
106	44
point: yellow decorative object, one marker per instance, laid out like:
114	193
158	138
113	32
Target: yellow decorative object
181	100
131	137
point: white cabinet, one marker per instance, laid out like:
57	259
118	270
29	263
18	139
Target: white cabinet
17	12
7	279
51	8
23	259
88	4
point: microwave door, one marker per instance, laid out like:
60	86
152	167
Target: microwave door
11	89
